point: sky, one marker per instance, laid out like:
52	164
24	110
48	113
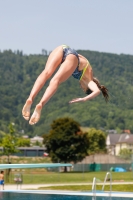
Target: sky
97	25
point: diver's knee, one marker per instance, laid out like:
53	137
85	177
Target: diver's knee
47	73
55	82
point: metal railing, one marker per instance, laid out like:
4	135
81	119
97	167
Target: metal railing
94	187
105	180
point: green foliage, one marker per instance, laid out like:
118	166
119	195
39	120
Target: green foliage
125	153
37	143
97	141
2	134
9	143
65	141
18	73
22	142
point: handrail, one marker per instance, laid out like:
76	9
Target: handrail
105	180
94	186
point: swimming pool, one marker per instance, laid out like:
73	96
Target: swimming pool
59	195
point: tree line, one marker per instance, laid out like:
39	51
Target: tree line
64	143
18	73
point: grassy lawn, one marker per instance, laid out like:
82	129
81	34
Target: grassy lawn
122	188
75	177
43	177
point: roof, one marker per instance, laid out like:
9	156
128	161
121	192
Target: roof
120	138
114	138
29	148
127	131
126	138
37	137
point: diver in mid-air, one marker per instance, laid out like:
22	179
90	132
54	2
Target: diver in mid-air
71	63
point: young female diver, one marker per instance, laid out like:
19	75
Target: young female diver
73	64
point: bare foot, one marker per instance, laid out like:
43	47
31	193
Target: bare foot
26	109
36	115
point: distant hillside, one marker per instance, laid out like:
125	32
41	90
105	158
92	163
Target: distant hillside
18	73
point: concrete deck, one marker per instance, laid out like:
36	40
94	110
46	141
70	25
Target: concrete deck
36	186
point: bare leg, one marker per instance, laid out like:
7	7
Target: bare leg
53	62
64	72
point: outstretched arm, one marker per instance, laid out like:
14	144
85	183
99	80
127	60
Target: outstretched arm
95	92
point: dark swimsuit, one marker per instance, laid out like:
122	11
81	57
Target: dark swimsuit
76	74
66	51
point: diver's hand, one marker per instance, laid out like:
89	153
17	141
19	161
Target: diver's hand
76	100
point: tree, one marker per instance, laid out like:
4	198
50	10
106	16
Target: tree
19	71
9	143
23	142
97	141
66	142
37	143
125	153
44	52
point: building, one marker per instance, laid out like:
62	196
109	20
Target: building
25	136
125	141
116	142
29	151
111	142
36	139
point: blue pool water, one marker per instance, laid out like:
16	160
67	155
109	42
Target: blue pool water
39	196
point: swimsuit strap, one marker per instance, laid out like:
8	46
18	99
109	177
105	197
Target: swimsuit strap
84	69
